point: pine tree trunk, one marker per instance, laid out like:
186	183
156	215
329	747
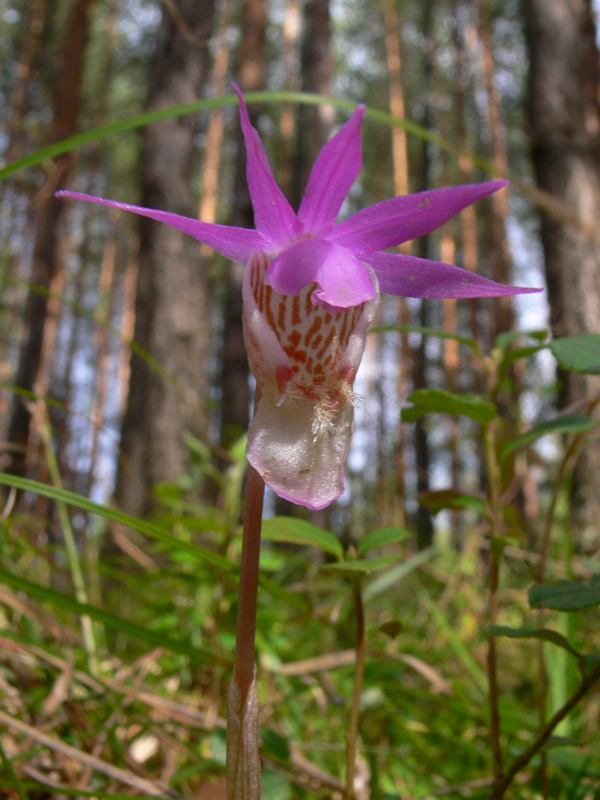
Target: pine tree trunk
47	248
500	255
250	73
209	194
171	304
28	59
424	522
401	187
565	125
316	69
287	121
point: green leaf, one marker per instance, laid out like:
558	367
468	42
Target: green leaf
440	401
196	106
566	595
506	338
581	353
391	578
299	531
498	544
575	762
451	498
440	334
364	566
391	628
152	531
13	779
274	744
589	661
518	353
568	423
544	634
112	514
139	632
275	786
562	741
381	537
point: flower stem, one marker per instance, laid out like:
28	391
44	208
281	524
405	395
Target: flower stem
243	763
359	672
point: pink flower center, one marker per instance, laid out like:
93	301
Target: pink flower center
312	336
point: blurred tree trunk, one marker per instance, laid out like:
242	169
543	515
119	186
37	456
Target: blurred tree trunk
316	70
565	126
209	194
171	305
422	451
47	255
470	251
287	122
401	187
100	393
72	449
250	75
28	61
500	255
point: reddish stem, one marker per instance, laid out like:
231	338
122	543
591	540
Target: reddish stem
248	588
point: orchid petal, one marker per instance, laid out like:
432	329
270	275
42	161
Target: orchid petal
408	276
400	219
333	173
273	215
236	244
297	463
342	281
304	359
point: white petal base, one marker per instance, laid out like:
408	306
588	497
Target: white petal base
299	446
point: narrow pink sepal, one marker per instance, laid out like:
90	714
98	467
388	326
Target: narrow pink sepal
408	276
237	244
401	219
273	215
332	175
342	281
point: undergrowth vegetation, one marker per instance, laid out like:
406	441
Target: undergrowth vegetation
420	668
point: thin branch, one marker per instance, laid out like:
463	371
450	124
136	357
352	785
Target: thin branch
543	736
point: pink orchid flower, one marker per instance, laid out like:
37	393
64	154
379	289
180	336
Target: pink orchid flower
310	292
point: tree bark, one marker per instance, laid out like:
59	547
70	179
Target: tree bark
48	242
565	128
500	255
209	194
424	522
287	122
250	73
28	62
401	187
171	304
316	69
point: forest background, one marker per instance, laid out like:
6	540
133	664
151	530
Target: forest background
418	638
